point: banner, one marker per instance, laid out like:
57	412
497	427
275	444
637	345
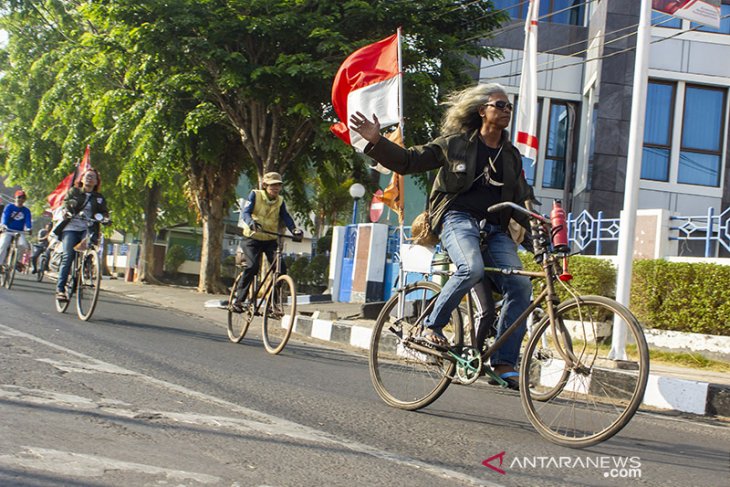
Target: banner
701	11
369	81
526	122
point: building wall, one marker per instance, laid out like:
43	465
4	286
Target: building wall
602	92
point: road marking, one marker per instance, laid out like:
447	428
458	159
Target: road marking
260	421
83	465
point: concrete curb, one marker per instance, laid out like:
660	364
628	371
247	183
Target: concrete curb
662	391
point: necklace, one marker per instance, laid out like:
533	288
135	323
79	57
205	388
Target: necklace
491	168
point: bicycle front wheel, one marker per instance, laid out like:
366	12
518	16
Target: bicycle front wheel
238	322
591	397
403	377
12	262
279	314
88	285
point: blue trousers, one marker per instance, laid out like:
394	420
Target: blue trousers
460	237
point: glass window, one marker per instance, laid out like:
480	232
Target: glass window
557	138
568	11
702	128
565	11
657	131
513	8
663	20
724	22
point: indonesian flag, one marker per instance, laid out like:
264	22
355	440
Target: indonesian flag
55	199
526	123
368	82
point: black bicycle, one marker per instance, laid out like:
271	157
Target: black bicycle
84	280
273	295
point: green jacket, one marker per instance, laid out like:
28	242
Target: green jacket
455	156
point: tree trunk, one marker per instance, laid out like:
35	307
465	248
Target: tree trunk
210	258
147	258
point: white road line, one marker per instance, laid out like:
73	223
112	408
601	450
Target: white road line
261	421
83	465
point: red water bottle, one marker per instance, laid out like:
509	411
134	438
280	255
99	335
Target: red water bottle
559	232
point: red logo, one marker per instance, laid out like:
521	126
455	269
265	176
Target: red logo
487	463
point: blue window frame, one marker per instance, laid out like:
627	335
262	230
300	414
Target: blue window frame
702	129
553	175
724	22
658	124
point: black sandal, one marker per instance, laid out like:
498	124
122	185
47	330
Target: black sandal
435	337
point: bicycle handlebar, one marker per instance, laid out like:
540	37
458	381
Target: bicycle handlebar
295	238
521	209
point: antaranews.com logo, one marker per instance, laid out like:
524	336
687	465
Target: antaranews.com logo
610	466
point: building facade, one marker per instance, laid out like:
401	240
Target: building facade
586	53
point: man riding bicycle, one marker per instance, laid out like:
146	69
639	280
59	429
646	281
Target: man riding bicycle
15	219
264	211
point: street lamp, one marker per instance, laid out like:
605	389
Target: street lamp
357	191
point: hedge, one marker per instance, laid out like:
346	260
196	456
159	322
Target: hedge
664	295
681	296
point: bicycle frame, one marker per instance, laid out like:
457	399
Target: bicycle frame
548	295
266	284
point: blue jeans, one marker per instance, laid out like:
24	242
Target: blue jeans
460	237
69	239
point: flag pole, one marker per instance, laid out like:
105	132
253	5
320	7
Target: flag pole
401	216
633	173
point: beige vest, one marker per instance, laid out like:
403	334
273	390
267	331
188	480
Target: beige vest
266	214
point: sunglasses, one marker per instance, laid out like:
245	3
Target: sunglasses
500	105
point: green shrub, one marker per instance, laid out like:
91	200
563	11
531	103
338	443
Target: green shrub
681	296
298	271
318	270
174	258
590	276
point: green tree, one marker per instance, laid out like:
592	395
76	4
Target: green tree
235	86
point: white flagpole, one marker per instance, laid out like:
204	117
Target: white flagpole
526	123
401	229
633	172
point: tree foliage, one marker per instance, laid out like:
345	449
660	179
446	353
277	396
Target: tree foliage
178	99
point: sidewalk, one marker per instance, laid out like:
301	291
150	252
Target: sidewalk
677	389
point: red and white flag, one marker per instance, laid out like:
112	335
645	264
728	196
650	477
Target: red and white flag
526	123
55	199
369	81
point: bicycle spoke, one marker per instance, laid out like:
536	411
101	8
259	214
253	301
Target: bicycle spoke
279	314
588	399
402	375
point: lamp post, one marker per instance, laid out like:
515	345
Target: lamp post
357	191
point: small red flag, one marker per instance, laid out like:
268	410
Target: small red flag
55	199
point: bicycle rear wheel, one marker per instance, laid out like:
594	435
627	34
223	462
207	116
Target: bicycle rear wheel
403	377
41	267
279	314
11	263
581	404
238	322
88	286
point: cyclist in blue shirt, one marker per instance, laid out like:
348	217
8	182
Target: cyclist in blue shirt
15	219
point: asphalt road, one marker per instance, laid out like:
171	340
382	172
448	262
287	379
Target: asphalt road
142	395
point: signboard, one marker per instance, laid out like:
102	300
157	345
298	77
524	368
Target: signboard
701	11
376	206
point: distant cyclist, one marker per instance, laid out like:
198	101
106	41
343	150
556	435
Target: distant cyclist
83	199
41	246
15	219
264	210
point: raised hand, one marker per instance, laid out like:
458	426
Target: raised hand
369	131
